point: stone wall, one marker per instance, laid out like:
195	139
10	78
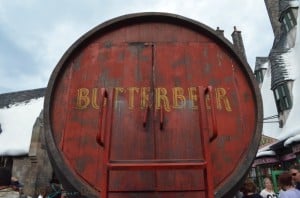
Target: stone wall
21	165
34	170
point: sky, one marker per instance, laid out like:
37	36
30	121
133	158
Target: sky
34	34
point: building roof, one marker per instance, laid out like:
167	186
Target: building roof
282	70
18	113
280	54
8	99
261	63
286	4
285	65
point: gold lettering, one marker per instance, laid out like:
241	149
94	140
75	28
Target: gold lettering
86	97
94	98
131	91
221	96
83	99
193	97
178	97
161	95
145	97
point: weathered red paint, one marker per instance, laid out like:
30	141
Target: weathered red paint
146	104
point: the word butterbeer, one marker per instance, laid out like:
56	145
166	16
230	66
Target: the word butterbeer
139	97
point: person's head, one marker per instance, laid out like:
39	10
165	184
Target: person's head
268	183
294	171
285	180
5	176
249	187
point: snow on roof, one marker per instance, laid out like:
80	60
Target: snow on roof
17	123
282	69
290	140
265	148
294	3
291	130
287	4
291	69
265	65
265	153
261	63
292	127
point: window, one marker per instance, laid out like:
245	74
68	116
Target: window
259	75
288	20
282	98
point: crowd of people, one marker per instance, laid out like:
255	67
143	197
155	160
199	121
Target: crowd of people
289	185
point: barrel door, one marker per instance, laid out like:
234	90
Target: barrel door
153	117
155	83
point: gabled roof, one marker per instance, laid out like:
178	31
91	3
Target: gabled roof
18	113
286	4
261	63
281	66
8	99
280	54
285	66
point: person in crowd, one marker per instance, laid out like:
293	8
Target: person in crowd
287	188
294	171
15	184
238	194
5	184
268	191
250	190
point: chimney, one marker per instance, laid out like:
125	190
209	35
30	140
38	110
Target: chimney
220	32
274	13
238	44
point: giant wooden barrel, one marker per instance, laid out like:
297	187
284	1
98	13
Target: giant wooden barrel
152	105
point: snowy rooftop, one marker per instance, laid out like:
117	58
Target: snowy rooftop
288	3
261	63
291	130
266	153
292	127
17	122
